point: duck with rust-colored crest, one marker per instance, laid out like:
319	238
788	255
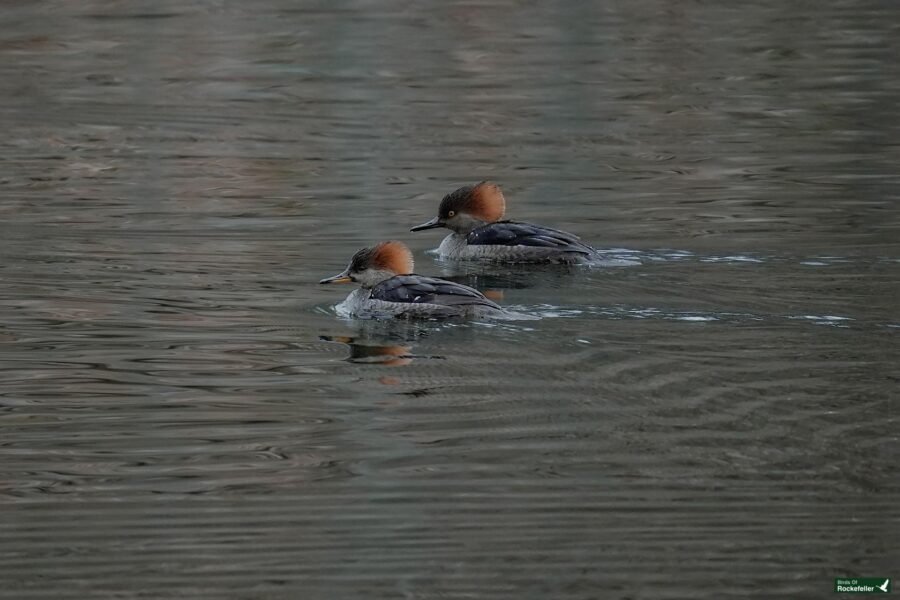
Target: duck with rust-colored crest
388	287
474	214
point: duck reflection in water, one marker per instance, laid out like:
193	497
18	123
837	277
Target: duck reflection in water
386	343
368	352
492	278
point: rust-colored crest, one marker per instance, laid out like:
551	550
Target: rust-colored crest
393	256
487	202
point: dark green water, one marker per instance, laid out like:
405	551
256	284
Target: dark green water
182	414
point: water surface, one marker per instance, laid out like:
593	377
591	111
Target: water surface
185	416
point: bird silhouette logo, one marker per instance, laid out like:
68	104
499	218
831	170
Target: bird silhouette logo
884	586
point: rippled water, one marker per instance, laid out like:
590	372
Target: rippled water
184	415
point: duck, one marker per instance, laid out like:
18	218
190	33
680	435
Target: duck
388	287
474	216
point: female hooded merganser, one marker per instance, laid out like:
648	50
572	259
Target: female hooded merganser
389	288
473	214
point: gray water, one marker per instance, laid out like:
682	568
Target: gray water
183	414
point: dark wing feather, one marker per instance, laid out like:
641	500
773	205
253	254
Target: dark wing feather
428	290
511	233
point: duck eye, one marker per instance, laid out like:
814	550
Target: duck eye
451	214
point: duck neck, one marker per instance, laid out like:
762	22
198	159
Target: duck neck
372	277
464	223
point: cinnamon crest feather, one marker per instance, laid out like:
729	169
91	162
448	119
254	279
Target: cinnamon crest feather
486	202
392	256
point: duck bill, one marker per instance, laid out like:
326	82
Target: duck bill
339	278
432	224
